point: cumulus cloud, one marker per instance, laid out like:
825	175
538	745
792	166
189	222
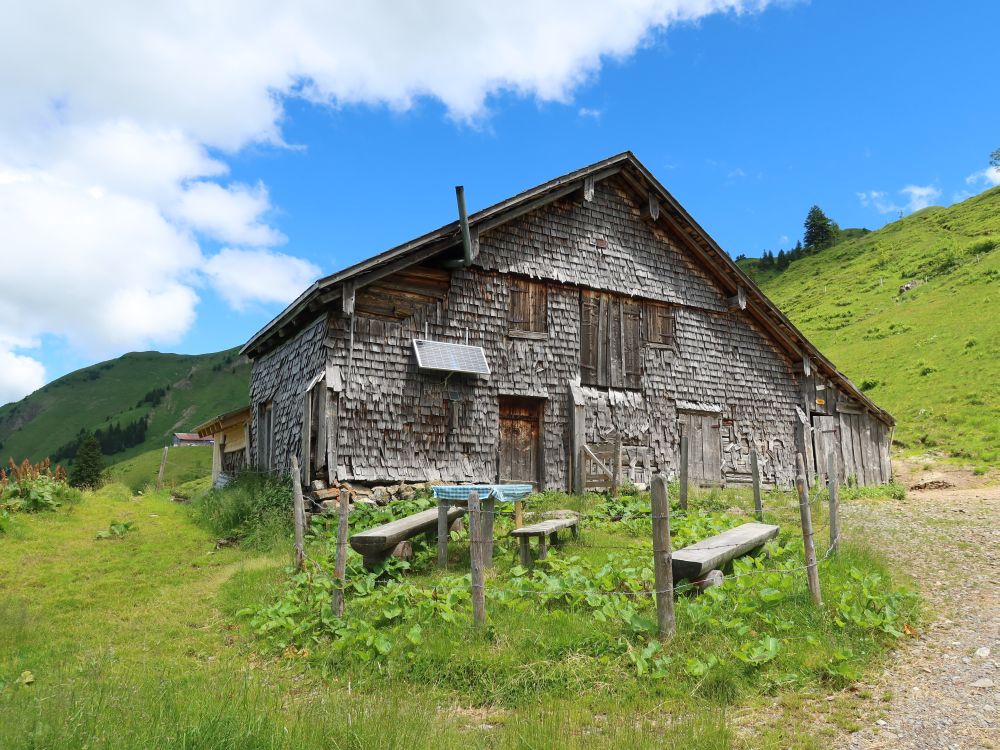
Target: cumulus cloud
989	177
229	214
244	277
19	374
118	119
918	197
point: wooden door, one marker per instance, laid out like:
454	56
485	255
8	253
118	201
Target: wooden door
520	440
824	435
704	435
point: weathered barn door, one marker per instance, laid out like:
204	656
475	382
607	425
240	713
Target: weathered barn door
520	440
825	439
704	447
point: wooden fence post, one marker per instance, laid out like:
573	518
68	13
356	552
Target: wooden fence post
488	510
163	465
662	562
518	514
443	533
684	471
758	505
340	568
616	466
834	492
298	512
476	558
812	573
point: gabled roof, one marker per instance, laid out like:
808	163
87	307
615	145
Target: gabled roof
223	422
446	241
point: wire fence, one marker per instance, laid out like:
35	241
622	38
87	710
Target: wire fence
479	588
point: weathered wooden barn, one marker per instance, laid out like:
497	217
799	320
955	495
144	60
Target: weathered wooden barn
495	347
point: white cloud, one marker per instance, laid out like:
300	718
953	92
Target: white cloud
593	114
918	197
229	214
19	374
989	176
243	277
118	118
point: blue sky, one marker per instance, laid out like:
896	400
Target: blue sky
866	109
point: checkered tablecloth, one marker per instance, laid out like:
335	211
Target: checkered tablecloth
501	492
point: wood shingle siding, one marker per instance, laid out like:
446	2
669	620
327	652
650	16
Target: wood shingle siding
588	298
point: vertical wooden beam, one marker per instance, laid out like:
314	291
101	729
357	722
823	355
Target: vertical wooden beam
307	437
684	471
332	428
834	491
616	468
443	534
216	458
758	505
662	558
812	573
577	438
488	509
299	512
476	557
340	567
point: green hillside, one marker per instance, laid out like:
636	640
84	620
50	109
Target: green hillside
931	355
180	391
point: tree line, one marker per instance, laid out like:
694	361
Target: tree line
112	439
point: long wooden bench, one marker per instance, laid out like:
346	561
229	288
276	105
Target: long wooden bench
547	532
377	543
697	559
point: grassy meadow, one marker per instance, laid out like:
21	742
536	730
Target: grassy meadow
931	355
155	638
186	464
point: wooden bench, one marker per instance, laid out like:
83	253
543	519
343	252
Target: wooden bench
378	543
547	532
697	559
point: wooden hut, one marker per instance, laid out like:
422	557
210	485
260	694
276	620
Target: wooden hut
591	310
230	438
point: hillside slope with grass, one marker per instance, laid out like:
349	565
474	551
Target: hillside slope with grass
930	355
172	392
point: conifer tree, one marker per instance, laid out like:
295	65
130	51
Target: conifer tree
820	231
88	466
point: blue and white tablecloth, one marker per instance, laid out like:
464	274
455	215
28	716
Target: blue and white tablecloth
501	492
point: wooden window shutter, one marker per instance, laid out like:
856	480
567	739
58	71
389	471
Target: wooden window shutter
659	324
528	306
632	356
590	310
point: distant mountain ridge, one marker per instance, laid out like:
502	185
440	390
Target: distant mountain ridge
910	313
171	392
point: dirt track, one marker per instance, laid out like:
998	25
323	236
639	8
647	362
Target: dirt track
945	683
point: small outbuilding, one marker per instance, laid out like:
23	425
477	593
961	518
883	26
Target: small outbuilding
229	435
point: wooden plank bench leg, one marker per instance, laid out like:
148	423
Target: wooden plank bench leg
574	531
525	551
543	548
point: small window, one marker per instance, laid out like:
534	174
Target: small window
265	436
529	305
659	324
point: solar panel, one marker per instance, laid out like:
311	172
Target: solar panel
443	357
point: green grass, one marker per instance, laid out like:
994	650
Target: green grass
931	356
185	464
201	387
134	642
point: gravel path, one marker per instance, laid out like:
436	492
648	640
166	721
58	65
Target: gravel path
945	684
